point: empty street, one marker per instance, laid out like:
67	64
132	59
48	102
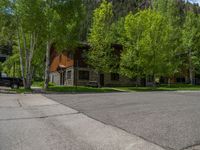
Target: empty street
168	119
109	121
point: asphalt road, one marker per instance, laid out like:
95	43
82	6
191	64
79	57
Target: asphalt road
168	119
34	122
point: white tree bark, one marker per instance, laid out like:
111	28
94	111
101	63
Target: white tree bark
47	65
191	68
21	57
26	69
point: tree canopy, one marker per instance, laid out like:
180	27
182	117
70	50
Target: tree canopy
158	37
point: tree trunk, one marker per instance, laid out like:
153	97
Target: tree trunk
27	64
169	81
14	70
138	81
21	58
29	58
28	85
47	66
191	76
154	80
190	68
99	79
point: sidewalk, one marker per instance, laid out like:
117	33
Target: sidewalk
33	122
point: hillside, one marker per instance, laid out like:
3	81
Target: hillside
122	8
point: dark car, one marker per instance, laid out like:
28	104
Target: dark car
10	82
92	84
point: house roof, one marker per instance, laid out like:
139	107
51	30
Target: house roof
62	66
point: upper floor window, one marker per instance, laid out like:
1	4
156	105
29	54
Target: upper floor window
84	75
69	74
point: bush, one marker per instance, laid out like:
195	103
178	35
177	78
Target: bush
41	84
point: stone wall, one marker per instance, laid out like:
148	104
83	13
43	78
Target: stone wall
55	78
123	81
93	76
79	82
69	81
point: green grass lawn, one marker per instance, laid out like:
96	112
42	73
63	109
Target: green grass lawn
175	87
84	89
80	89
22	90
37	84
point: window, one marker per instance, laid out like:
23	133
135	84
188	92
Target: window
180	80
69	74
83	54
114	76
70	55
84	75
52	80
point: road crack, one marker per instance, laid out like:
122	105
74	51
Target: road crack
39	117
18	101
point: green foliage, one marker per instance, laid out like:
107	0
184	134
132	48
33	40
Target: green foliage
160	5
63	19
102	56
32	23
1	67
80	89
158	41
12	66
189	32
175	87
145	44
30	15
190	39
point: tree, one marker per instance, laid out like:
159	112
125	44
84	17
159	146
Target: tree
145	47
12	65
29	26
38	21
24	22
61	28
101	56
190	36
160	5
173	13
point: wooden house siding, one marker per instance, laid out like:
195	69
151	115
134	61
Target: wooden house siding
61	60
71	68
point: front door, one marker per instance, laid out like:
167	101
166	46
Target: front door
102	79
62	78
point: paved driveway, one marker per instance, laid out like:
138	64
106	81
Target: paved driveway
168	119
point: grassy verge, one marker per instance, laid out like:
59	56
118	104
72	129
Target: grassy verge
83	89
37	84
22	90
80	89
176	87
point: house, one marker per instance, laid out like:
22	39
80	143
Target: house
70	68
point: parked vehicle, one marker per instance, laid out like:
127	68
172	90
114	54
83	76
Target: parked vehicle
92	84
10	82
